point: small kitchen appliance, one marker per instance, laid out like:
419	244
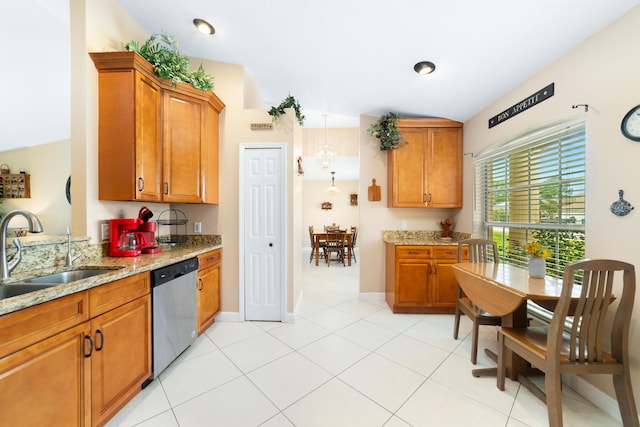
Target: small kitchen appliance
124	237
148	229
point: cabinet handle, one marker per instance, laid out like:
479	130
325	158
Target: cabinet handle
428	197
451	253
88	338
424	198
201	284
435	268
101	335
166	188
140	184
211	258
413	252
429	269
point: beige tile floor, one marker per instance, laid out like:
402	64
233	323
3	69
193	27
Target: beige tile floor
344	362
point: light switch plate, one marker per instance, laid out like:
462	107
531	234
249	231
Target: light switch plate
197	227
403	225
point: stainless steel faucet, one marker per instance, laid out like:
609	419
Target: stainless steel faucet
6	266
69	258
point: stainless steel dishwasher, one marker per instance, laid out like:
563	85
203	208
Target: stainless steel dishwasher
175	311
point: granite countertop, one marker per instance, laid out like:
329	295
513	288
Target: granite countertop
422	237
123	267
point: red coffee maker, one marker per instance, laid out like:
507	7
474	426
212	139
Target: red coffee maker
124	237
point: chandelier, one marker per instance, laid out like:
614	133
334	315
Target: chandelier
326	152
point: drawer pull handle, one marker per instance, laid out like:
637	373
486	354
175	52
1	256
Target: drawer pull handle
414	252
88	338
101	335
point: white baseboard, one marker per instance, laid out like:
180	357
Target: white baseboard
594	395
371	296
228	316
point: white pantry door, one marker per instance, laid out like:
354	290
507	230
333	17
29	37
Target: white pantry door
263	228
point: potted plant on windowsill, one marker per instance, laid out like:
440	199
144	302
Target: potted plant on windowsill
386	130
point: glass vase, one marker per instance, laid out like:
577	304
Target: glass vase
537	267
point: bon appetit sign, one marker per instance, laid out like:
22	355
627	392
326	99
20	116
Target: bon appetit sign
523	105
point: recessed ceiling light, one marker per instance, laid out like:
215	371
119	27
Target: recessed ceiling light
204	27
424	67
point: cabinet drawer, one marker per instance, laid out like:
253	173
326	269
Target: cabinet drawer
413	252
446	252
30	325
209	259
111	295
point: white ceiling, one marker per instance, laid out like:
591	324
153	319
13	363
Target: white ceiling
344	57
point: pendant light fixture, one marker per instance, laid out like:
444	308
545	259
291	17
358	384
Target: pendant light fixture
332	188
326	152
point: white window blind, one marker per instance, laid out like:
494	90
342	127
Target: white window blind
533	188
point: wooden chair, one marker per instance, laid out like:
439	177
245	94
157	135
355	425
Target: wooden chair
354	237
480	250
557	349
321	245
335	244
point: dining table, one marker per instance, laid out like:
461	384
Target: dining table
319	235
504	290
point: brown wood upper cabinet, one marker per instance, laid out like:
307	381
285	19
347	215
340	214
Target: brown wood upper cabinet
157	142
427	171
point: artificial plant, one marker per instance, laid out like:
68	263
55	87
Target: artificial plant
386	130
168	63
288	102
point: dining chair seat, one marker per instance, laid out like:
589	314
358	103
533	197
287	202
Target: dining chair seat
579	348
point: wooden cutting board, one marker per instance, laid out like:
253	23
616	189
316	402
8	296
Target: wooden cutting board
374	191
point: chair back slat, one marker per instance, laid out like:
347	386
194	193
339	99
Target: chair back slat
480	250
590	311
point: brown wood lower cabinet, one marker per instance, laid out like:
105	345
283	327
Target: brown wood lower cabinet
419	279
71	362
208	288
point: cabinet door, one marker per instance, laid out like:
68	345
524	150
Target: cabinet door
129	136
121	359
406	168
208	296
444	168
412	277
148	140
443	284
48	383
184	129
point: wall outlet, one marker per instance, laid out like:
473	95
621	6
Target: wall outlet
104	231
197	227
403	225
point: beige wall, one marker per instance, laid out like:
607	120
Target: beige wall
48	165
342	212
601	72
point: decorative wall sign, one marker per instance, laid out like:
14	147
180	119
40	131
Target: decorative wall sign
353	199
620	207
261	126
523	105
326	205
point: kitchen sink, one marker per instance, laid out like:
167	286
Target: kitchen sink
69	276
15	289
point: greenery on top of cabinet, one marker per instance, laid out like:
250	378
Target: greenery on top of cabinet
168	63
386	130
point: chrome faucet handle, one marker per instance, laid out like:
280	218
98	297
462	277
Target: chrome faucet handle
17	257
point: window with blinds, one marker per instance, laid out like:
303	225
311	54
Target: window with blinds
533	189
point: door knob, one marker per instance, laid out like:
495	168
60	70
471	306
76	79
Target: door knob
270	244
